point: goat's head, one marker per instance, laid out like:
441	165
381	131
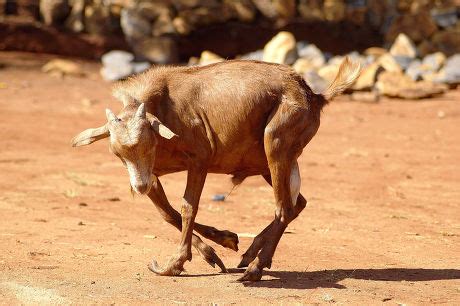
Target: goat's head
133	139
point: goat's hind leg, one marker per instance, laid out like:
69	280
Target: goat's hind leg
283	144
262	237
286	193
170	215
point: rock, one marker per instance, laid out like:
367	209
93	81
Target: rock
159	50
414	71
416	26
444	17
312	54
398	85
24	8
403	47
447	41
182	26
276	9
164	24
365	96
311	10
244	10
201	16
208	57
335	60
97	19
356	12
434	61
75	20
114	57
117	72
54	12
328	72
368	77
316	83
218	198
281	49
388	63
257	55
140	67
334	10
403	61
135	26
450	74
375	51
377	10
62	67
303	65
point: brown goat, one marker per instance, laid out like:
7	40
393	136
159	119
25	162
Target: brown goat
241	118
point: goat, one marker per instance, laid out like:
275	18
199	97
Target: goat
242	118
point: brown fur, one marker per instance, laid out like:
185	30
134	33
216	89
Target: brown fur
236	117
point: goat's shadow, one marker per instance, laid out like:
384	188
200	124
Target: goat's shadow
330	278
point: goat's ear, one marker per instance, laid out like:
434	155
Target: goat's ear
90	135
160	128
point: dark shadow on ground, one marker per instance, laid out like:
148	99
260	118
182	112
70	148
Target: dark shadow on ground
331	278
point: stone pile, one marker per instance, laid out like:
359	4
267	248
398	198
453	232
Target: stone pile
399	72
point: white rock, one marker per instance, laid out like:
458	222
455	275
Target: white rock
403	46
116	57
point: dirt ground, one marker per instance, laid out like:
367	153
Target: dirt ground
382	225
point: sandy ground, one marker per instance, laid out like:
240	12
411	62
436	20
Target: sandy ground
382	224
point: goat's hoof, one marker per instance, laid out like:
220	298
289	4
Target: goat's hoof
245	261
210	256
251	275
230	240
171	270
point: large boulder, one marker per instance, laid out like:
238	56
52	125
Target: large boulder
281	49
276	9
444	17
244	10
54	12
98	19
135	26
75	20
416	26
311	10
447	41
159	50
334	10
398	85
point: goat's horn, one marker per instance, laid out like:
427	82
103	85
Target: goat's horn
110	115
140	113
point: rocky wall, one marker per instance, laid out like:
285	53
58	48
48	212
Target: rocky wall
157	29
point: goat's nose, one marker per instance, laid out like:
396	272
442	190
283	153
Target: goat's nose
141	188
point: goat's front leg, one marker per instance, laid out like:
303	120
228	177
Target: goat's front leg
158	197
196	177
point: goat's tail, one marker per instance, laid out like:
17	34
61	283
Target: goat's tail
348	73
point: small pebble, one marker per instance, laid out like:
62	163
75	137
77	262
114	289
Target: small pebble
218	198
